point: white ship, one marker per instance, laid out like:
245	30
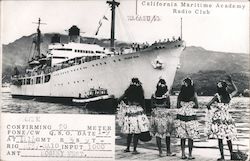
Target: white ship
70	71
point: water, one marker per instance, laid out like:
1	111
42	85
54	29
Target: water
14	105
240	111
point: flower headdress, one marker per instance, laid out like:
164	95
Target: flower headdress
135	82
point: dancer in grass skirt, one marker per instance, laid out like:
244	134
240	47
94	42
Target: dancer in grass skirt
162	120
220	123
186	121
131	115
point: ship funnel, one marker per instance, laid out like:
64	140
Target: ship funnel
74	34
56	38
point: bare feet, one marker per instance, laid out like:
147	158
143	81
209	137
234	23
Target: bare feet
126	150
171	154
135	152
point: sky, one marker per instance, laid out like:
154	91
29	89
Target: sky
222	29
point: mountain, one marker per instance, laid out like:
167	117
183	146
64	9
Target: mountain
204	66
195	59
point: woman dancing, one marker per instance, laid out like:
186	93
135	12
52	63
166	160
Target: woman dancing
187	123
131	115
221	125
162	121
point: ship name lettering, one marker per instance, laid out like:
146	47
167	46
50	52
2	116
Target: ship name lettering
128	57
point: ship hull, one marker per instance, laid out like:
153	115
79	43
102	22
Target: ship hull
112	73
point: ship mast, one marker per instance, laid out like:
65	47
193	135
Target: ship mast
38	39
113	4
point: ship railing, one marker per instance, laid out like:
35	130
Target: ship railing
75	61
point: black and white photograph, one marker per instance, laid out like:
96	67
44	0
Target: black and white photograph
125	80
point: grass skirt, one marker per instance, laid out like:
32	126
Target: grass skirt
187	124
162	122
132	119
219	123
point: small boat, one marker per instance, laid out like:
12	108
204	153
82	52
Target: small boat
93	95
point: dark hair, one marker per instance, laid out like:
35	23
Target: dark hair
187	92
160	91
222	91
135	93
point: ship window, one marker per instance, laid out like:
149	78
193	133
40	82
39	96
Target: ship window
28	81
105	63
96	64
100	63
114	60
93	65
119	59
47	78
20	82
92	51
38	80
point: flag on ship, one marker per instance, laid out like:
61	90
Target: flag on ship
100	24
